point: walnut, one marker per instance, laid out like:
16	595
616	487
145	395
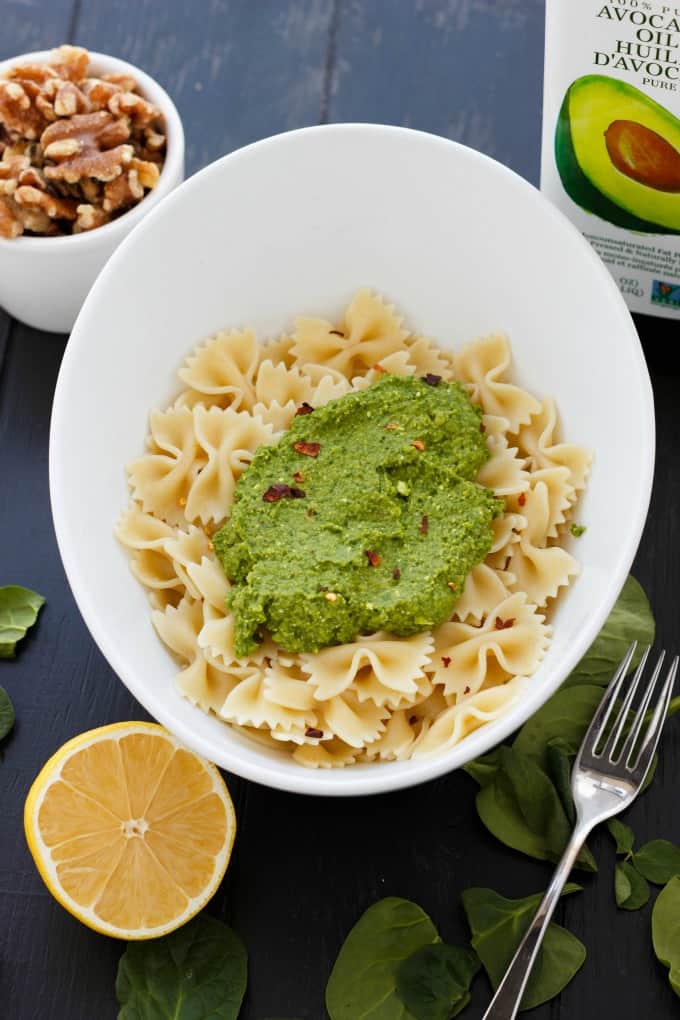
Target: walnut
75	151
39	73
10	224
18	108
98	92
11	168
86	145
70	62
51	205
124	191
89	218
129	104
125	82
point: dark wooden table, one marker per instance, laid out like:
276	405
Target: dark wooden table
303	869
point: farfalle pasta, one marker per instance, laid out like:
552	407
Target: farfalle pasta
379	697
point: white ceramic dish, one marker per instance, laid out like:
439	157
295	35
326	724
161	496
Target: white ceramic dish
44	280
295	224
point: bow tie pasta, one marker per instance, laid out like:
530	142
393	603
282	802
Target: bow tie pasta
397	692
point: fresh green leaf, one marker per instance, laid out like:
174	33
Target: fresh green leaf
560	760
537	799
630	620
363	982
673	706
6	713
19	608
198	972
658	861
622	836
434	982
498	925
485	768
630	888
578	529
521	808
666	930
565	716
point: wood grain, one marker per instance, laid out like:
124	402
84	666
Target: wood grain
303	869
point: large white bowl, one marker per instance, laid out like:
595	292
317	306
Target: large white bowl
295	224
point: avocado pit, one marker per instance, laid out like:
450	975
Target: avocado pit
643	155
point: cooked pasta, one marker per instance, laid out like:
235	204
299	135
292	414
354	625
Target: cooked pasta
380	697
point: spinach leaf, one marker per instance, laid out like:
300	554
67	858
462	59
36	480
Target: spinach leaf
483	769
560	759
631	619
566	715
622	835
6	713
630	888
498	925
434	982
363	982
19	608
521	807
666	930
198	972
658	861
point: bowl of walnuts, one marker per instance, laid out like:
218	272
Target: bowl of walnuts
88	145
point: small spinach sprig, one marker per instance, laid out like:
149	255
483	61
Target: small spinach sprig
19	608
657	861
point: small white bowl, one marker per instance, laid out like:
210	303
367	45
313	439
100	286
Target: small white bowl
295	225
44	280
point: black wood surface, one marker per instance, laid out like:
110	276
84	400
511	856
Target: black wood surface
303	869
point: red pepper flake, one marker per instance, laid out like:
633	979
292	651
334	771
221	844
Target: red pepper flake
482	427
412	720
373	558
522	498
419	444
466	690
446	661
504	624
378	368
307	449
304	408
310	512
396	573
312	731
335	332
432	380
281	491
424	524
298	476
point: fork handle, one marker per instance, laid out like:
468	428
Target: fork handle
506	1001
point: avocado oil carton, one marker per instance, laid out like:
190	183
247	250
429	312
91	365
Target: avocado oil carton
611	138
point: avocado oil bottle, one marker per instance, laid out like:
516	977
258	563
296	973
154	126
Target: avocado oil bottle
611	138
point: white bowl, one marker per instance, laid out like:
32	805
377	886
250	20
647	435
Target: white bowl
295	224
44	280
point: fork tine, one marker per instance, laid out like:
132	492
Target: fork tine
631	739
601	717
617	729
655	727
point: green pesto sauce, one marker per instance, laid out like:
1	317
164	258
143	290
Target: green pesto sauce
300	566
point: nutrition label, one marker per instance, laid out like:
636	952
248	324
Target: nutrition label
627	254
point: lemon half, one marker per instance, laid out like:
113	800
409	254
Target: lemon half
130	832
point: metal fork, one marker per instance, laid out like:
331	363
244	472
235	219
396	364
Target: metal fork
604	781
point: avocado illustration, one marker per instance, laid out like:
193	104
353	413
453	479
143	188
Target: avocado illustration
618	154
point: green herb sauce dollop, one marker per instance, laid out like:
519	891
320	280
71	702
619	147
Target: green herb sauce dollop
375	527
